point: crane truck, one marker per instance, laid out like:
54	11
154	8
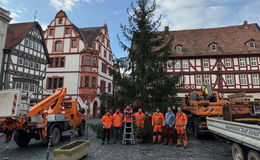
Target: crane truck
243	132
51	116
208	103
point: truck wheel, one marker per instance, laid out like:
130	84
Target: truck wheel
237	152
21	138
56	135
81	130
253	155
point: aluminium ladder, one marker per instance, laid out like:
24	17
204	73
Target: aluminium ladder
128	134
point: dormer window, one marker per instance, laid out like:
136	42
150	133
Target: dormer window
178	48
213	47
250	44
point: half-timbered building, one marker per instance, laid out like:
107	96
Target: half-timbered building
25	59
227	58
80	59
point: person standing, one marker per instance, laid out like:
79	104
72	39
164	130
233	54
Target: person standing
180	125
139	124
169	123
106	121
157	123
118	124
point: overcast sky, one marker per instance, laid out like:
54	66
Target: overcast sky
177	14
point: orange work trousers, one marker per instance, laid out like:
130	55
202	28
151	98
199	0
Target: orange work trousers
182	136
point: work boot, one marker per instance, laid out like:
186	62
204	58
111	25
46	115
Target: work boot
178	145
159	139
102	143
171	141
165	141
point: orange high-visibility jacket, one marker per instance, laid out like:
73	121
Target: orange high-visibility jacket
107	121
181	119
157	119
139	119
118	119
128	114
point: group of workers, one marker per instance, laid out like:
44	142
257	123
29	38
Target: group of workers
169	122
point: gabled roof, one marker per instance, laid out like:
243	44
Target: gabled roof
17	31
90	34
230	40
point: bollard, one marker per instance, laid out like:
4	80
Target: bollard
49	148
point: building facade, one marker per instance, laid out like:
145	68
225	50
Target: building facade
227	58
25	59
80	60
4	21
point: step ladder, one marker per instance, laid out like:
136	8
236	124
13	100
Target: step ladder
128	134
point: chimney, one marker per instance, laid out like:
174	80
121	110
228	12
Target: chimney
245	23
166	28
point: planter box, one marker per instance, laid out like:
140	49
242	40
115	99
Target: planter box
72	151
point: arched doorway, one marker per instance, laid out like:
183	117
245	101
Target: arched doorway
95	106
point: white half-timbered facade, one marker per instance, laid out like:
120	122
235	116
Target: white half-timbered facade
227	58
25	59
80	58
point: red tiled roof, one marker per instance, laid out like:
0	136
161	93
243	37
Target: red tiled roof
16	32
90	34
230	40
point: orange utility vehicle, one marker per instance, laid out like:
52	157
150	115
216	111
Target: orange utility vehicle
51	116
208	103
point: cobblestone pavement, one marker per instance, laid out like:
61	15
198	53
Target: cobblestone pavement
206	148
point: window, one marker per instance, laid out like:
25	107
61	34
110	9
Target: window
88	60
207	79
103	86
35	45
62	61
255	79
213	47
58	46
105	53
86	81
99	48
104	68
74	43
177	63
51	32
18	85
51	62
94	82
110	57
60	20
31	64
26	63
94	61
26	86
169	64
178	48
185	64
250	44
56	62
20	61
253	61
242	62
205	63
26	42
32	88
54	82
67	31
31	43
109	87
198	79
37	66
243	79
228	62
229	79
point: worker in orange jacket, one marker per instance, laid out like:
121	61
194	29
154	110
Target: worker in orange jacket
139	124
107	121
118	124
157	123
180	125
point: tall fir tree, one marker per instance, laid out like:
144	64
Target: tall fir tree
149	51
